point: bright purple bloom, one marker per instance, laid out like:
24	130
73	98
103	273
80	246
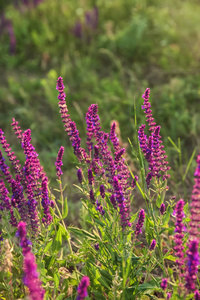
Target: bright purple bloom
82	288
196	295
140	222
168	295
90	177
113	137
133	184
10	153
152	146
70	127
92	196
148	179
192	265
164	284
4	168
102	191
18	199
5	203
195	205
45	202
79	175
58	162
179	234
162	209
153	245
113	201
31	276
96	246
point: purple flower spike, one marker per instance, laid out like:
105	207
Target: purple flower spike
179	234
96	246
90	177
196	295
58	162
140	222
45	202
162	209
153	245
168	295
195	205
192	265
164	284
31	276
102	191
82	288
80	176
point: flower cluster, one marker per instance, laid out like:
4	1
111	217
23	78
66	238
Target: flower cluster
82	288
179	234
195	205
58	162
192	265
31	276
140	222
152	146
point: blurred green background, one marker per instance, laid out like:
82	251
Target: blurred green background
108	52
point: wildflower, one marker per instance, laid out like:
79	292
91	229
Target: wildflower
168	295
162	209
153	245
113	201
195	205
179	233
164	284
113	137
192	265
90	177
82	288
96	246
148	179
70	127
102	191
45	202
31	276
58	162
92	196
133	184
140	222
196	295
79	175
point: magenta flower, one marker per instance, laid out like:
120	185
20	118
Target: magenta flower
164	284
192	265
196	295
162	209
31	276
179	234
140	222
82	288
79	175
195	205
153	245
90	177
102	191
58	162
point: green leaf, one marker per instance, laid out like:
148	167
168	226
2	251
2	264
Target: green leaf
133	217
170	257
57	243
103	282
65	212
56	278
48	245
167	215
106	276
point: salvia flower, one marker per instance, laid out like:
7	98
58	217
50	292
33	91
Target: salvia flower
192	265
58	162
102	191
153	245
164	284
96	246
162	209
195	205
31	276
140	222
82	288
196	295
79	175
168	295
90	177
45	202
179	234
